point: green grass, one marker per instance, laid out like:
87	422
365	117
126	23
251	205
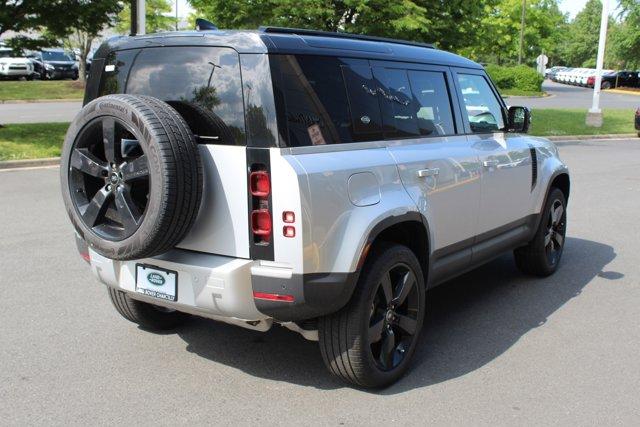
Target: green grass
31	140
25	90
520	92
558	122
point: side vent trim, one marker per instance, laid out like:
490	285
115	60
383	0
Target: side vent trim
534	167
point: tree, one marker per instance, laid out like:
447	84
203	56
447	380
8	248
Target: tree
156	18
448	24
623	46
580	47
19	15
84	21
499	32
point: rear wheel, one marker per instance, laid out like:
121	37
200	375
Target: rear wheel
370	342
606	85
541	256
148	316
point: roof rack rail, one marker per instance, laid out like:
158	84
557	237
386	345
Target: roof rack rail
304	32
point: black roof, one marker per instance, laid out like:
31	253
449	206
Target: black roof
295	41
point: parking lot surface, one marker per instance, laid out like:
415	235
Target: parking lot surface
38	112
498	347
567	96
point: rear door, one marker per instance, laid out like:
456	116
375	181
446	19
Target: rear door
439	169
204	85
505	158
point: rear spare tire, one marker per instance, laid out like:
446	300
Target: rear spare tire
131	176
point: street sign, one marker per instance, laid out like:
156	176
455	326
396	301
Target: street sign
542	61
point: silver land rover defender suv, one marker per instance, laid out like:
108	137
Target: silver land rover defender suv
319	181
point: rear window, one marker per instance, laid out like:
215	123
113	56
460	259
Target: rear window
202	83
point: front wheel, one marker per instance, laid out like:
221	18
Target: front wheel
606	85
542	254
370	342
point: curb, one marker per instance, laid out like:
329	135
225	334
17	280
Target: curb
37	101
623	92
547	95
585	137
29	163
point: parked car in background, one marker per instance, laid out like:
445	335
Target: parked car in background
54	64
621	78
606	75
552	72
12	67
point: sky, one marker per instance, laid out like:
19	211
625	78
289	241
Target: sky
572	7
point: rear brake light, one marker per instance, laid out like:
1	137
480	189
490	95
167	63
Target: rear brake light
273	297
260	184
261	223
85	256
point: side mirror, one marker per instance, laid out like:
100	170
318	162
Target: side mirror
519	119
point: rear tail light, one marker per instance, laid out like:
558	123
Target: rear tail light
289	231
261	223
288	217
260	184
260	190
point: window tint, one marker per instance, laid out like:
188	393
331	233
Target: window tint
202	83
431	96
483	108
317	109
396	102
116	69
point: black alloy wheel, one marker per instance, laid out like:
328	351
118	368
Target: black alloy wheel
109	178
394	316
555	233
370	342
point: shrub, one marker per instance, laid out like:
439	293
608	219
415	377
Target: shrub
518	77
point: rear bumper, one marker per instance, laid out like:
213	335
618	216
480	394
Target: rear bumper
222	288
208	285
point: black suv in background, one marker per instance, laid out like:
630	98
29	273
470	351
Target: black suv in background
617	79
54	64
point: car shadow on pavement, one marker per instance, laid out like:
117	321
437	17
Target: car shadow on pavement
470	321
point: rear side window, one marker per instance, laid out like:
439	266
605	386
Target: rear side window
397	103
326	100
431	95
202	83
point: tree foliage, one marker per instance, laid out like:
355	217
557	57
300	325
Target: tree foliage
448	24
83	21
156	18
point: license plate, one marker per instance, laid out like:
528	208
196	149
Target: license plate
157	282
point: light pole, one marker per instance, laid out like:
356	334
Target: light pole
594	116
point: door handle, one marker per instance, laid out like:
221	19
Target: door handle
423	173
490	163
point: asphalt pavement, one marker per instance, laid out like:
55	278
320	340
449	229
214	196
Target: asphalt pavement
498	348
36	112
567	96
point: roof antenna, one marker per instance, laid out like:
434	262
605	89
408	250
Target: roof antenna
203	24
